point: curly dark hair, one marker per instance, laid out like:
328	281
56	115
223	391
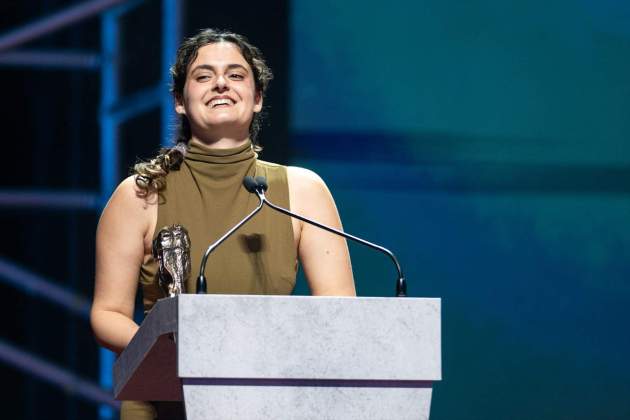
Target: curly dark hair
150	175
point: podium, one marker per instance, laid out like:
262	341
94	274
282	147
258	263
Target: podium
286	357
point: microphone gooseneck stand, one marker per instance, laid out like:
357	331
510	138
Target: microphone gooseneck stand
259	185
201	280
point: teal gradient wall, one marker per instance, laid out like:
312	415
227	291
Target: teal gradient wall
488	144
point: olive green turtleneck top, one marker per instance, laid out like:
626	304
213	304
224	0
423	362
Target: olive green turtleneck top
206	196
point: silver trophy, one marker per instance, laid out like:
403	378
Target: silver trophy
171	248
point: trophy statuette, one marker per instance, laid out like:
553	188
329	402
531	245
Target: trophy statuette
171	249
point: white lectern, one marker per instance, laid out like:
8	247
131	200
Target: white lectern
286	357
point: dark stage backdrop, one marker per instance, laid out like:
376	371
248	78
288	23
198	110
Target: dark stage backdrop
487	142
51	143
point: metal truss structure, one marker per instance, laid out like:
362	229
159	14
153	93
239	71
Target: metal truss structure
114	110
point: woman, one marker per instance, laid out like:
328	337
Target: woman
219	83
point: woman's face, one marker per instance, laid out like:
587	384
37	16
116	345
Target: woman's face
219	97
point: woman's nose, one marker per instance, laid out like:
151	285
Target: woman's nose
222	83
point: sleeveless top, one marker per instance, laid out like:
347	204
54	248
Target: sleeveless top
207	197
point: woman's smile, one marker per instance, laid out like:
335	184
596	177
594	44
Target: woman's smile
221	101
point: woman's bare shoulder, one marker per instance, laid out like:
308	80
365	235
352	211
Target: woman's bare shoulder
128	207
304	180
308	191
129	195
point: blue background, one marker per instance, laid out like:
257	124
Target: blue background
487	144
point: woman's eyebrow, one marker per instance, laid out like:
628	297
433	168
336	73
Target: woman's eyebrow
212	68
236	66
202	67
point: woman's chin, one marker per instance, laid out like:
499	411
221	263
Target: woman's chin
226	122
224	129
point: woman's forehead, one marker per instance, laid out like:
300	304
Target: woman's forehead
219	54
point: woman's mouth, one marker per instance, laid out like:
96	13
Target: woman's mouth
218	102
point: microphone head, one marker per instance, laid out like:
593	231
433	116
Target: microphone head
262	182
250	184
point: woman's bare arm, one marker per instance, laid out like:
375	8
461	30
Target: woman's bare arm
121	242
324	256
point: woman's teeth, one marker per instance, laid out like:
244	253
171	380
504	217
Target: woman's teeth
217	102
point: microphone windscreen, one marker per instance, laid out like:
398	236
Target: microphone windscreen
249	184
262	181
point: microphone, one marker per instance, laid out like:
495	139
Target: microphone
259	185
262	182
250	185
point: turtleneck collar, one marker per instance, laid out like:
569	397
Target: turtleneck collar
201	153
213	168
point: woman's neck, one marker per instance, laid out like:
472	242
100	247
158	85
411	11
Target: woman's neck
221	142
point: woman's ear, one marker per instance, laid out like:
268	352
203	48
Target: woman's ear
258	101
179	104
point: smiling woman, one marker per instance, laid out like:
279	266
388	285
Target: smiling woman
219	96
219	83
